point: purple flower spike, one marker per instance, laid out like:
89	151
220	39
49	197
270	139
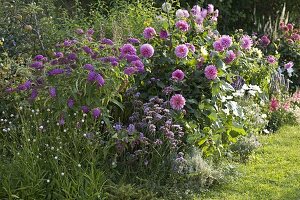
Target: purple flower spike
72	56
38	58
25	86
92	76
87	49
34	94
58	54
37	65
100	80
107	41
89	67
61	121
56	71
52	91
133	40
70	103
96	112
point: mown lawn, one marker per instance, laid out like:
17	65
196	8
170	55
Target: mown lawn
273	173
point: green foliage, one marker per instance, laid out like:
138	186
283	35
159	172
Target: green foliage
280	118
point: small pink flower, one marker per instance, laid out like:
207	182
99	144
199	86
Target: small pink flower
149	33
177	102
211	72
181	51
178	75
246	42
271	59
274	104
147	50
289	65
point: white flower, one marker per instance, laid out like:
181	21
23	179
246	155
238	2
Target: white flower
180	14
166	7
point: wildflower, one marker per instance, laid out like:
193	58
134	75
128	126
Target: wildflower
196	10
218	46
226	41
79	31
180	14
230	56
70	102
139	65
181	51
90	32
117	127
295	37
178	75
55	72
199	19
131	129
163	34
96	112
147	50
52	91
271	59
246	42
203	13
58	54
61	121
107	41
67	43
99	80
264	41
210	8
182	25
128	49
211	72
177	102
34	94
129	70
133	41
25	86
89	67
87	49
38	58
149	33
85	109
274	104
72	56
290	26
289	65
131	58
37	65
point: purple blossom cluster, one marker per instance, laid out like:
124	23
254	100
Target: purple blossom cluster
148	128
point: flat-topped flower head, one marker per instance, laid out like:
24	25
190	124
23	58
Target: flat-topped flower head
178	75
177	102
149	33
147	50
181	51
211	72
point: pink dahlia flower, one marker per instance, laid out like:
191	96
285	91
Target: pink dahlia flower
182	25
211	72
246	42
218	46
181	51
128	49
149	33
147	50
177	102
178	75
226	41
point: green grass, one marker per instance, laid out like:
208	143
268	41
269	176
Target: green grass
272	173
